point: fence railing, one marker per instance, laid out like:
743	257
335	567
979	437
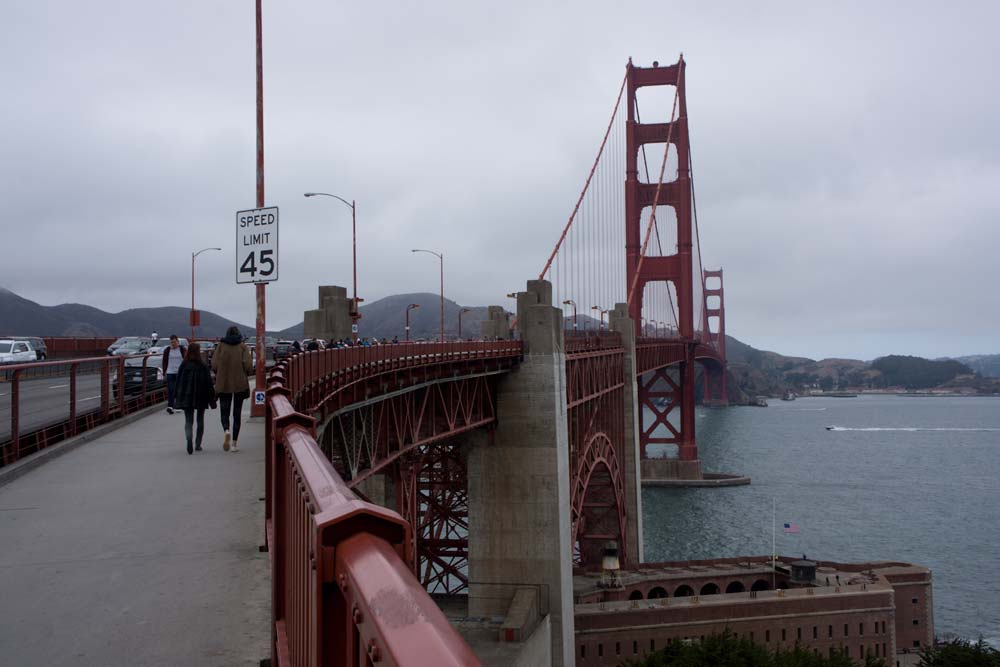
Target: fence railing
44	402
343	592
316	376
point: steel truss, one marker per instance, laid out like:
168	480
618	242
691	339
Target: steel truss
406	435
433	496
595	382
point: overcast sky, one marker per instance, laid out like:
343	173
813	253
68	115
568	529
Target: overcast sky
847	157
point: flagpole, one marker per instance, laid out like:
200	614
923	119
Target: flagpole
774	556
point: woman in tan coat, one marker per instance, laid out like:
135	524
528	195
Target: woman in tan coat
231	363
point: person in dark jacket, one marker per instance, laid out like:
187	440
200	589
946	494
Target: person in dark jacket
231	363
195	393
173	356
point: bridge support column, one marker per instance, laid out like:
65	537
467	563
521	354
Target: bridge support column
333	317
621	322
519	485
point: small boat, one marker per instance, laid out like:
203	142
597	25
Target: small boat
760	402
788	396
830	428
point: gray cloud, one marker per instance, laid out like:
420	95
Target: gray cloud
845	156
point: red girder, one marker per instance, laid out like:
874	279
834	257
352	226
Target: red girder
595	382
372	436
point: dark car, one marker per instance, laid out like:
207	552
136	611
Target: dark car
134	372
283	349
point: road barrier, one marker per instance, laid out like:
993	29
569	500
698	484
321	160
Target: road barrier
343	588
35	413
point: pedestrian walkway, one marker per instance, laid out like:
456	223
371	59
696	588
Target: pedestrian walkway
128	551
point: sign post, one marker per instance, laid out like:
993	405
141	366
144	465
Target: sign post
258	410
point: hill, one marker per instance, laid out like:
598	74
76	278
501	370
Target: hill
386	318
987	365
753	372
24	317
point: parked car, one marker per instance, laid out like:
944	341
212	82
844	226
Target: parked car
16	351
137	345
283	349
164	343
134	372
121	341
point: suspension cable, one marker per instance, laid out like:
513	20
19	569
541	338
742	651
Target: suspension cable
586	185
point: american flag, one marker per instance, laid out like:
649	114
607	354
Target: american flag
791	528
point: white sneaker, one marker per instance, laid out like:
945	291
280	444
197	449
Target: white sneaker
170	411
235	448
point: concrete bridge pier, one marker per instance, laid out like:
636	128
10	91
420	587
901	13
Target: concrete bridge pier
621	322
332	319
520	564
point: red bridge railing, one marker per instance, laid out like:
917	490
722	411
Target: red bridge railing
343	591
87	392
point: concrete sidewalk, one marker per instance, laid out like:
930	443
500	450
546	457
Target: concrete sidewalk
128	551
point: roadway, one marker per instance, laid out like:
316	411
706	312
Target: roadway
45	401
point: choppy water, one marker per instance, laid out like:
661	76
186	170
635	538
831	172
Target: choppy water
898	478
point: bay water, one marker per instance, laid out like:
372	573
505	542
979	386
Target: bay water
913	479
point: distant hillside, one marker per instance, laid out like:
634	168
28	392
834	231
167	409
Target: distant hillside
987	365
21	316
759	372
386	318
752	372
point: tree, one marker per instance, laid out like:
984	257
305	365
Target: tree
728	650
960	653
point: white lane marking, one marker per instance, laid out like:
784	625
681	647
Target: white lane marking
92	398
2	395
58	386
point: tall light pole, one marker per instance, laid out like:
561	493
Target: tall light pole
193	255
570	302
355	313
412	306
440	257
603	313
460	313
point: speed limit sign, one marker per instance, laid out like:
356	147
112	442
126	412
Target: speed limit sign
257	245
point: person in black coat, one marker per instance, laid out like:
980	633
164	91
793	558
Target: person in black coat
195	393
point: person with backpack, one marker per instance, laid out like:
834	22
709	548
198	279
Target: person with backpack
173	356
231	363
195	394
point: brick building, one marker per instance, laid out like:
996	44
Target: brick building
882	609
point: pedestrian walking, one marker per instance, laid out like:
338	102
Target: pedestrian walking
195	394
231	364
173	356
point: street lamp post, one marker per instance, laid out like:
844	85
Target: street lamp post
603	313
193	255
355	313
412	306
570	302
460	313
440	257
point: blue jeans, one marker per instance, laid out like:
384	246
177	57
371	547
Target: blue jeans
189	418
235	402
171	389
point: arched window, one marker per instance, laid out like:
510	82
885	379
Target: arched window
710	589
635	595
735	587
657	592
683	591
759	585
